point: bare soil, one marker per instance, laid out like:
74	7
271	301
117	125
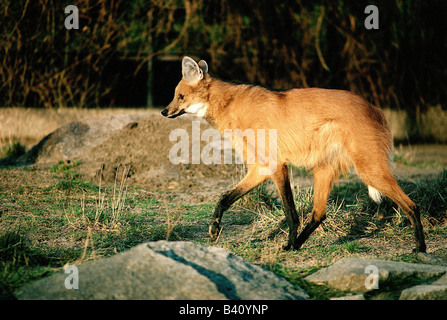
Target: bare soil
139	143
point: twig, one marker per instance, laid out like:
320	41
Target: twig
317	39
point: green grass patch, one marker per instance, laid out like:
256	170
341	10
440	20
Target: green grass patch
12	150
20	262
66	168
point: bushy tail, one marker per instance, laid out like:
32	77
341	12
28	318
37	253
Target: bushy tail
375	194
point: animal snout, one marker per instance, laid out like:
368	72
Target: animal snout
164	113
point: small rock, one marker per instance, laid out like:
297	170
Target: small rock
351	273
442	280
425	292
429	258
437	290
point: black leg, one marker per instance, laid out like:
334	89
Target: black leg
250	181
282	183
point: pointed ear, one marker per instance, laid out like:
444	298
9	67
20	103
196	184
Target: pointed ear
191	70
203	65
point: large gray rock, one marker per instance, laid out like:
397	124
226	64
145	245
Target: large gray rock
76	140
167	270
350	273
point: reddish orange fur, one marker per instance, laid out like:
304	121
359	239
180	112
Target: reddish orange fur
326	131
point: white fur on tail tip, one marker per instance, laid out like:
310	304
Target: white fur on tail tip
375	194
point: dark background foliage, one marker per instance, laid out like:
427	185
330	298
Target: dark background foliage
281	44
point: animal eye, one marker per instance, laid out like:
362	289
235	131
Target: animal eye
181	96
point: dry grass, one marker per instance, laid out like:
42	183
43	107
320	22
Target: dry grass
103	211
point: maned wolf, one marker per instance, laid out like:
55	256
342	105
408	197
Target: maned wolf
326	131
